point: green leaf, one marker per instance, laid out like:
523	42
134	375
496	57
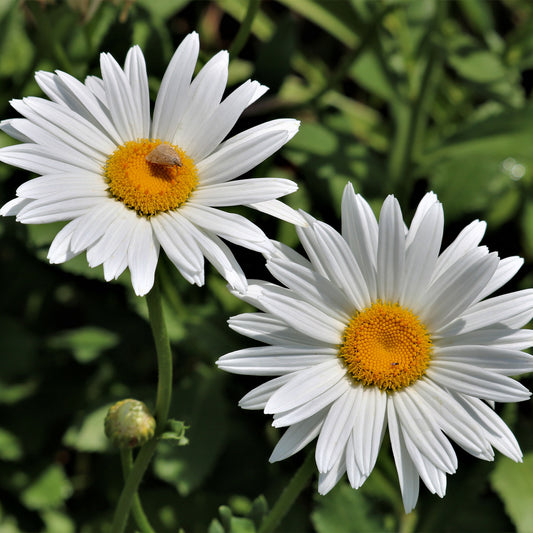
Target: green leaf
345	509
57	522
10	447
48	491
200	402
88	434
176	433
514	484
86	343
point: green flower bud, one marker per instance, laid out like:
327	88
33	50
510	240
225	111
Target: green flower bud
129	423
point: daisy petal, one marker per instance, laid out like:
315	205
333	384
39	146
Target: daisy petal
143	251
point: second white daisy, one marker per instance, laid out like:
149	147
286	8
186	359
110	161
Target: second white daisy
378	331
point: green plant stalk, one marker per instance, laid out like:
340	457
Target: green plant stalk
139	515
164	392
289	495
245	28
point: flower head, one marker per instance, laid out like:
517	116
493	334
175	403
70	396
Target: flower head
378	330
130	183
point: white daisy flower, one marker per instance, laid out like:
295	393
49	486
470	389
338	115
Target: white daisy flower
377	330
130	184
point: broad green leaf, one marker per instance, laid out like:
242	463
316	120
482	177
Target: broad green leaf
88	434
345	509
49	490
86	344
514	484
10	446
57	522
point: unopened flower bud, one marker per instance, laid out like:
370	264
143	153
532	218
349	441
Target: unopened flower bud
129	423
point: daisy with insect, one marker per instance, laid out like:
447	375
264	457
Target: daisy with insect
378	332
130	184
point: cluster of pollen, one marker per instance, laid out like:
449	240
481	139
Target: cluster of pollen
386	346
149	188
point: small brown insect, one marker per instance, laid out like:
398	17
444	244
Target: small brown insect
164	155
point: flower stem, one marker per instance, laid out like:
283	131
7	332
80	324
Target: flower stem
245	29
289	495
164	391
136	508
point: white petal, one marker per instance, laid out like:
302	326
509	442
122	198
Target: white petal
126	116
298	436
306	385
216	126
273	360
500	311
369	428
60	250
500	360
180	247
278	209
242	192
230	226
47	210
257	398
313	288
391	251
507	268
451	293
453	418
426	436
218	254
135	70
498	337
143	252
82	183
407	473
172	97
13	207
336	430
360	229
340	265
244	151
326	481
204	96
474	381
422	249
263	327
467	240
496	431
302	316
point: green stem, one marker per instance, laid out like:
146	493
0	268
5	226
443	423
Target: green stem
164	391
289	495
245	28
136	508
164	357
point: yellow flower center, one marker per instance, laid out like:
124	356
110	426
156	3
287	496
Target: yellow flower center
386	346
150	187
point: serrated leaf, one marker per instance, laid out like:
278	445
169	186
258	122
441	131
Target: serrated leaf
514	484
48	491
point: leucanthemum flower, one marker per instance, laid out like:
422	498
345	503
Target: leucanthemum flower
377	330
130	184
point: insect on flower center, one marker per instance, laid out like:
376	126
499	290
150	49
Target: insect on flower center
386	346
150	177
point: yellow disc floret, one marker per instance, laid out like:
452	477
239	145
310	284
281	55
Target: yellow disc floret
386	346
148	187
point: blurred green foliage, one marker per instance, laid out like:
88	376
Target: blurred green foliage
395	96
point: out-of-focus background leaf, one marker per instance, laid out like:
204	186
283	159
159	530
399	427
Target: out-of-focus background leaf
397	97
